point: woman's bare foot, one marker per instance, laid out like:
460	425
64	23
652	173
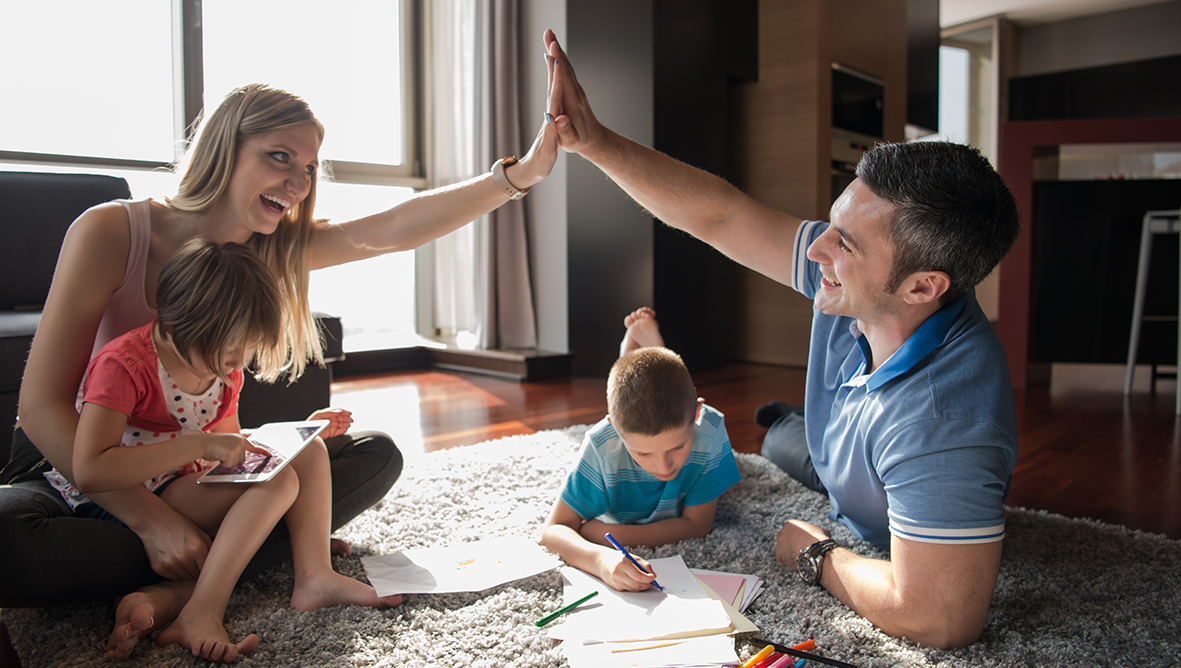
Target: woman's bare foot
141	612
206	637
642	331
323	589
339	547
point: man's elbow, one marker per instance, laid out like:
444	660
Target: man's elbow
946	631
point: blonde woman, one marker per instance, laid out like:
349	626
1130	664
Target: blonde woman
249	177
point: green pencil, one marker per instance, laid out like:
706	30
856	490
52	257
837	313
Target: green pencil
551	617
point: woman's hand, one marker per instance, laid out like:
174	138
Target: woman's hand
538	162
340	421
176	547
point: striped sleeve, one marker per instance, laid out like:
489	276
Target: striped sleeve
989	534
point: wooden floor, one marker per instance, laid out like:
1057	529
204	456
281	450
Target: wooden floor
1086	450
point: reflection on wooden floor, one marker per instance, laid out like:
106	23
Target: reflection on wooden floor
1086	451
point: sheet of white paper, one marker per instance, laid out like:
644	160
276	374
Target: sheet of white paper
708	650
474	566
682	609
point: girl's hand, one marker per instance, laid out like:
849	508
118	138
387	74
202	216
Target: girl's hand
340	421
620	573
229	449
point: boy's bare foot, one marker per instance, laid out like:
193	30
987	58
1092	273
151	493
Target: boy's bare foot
141	612
642	331
323	589
206	637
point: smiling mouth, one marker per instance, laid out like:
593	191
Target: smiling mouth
274	203
831	283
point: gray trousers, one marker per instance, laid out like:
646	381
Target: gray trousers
50	557
786	445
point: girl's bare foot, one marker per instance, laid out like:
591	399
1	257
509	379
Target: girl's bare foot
206	637
339	547
141	612
642	331
324	589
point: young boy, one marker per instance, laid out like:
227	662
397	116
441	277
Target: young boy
650	473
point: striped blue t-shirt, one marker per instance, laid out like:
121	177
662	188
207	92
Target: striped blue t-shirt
610	486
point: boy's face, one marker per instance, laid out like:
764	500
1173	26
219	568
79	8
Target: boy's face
662	455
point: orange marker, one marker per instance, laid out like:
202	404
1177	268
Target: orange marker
769	661
805	646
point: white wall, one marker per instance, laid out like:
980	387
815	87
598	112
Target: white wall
546	204
1124	36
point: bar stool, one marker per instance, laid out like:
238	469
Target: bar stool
1155	222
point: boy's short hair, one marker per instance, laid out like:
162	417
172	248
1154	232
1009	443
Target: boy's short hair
649	391
212	296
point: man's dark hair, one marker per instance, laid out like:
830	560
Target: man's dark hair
954	212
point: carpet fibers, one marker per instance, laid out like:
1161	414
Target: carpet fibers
1070	592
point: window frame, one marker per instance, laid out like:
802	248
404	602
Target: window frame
188	89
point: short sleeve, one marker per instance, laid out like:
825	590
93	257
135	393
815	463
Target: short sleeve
585	490
112	383
953	493
719	470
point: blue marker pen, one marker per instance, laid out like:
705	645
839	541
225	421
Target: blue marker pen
614	542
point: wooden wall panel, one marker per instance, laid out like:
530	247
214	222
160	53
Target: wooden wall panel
782	140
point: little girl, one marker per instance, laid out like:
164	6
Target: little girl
170	390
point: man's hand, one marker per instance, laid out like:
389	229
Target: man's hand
578	129
176	549
339	418
793	537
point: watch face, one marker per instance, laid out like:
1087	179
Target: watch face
807	568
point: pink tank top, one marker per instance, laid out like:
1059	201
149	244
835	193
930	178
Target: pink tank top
128	307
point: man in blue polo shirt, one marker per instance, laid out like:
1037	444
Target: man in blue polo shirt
908	421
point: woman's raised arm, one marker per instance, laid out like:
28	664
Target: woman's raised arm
433	213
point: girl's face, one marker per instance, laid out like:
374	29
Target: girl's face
233	359
273	172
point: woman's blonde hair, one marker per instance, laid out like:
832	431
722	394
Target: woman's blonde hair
205	172
214	297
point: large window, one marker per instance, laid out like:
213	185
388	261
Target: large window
110	87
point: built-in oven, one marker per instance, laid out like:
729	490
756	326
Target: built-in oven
857	121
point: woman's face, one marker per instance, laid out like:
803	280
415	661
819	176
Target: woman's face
273	172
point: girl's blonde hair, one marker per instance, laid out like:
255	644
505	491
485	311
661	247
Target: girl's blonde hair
206	170
214	297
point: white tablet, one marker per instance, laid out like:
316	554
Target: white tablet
284	440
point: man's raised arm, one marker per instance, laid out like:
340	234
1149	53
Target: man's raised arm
682	196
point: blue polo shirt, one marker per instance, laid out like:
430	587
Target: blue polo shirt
610	486
924	446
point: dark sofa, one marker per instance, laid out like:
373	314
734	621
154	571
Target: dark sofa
35	212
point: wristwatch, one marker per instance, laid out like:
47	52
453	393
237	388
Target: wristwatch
809	561
501	179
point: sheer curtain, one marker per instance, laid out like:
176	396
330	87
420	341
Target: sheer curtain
481	272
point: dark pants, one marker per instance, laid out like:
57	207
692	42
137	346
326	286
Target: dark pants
50	557
786	445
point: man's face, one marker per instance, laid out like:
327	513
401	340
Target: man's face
856	256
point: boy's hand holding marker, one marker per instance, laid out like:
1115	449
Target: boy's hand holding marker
625	572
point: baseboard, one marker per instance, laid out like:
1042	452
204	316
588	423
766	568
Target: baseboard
522	365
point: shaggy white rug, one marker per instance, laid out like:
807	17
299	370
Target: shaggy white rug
1070	593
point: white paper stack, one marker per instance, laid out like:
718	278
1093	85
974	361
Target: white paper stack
684	625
